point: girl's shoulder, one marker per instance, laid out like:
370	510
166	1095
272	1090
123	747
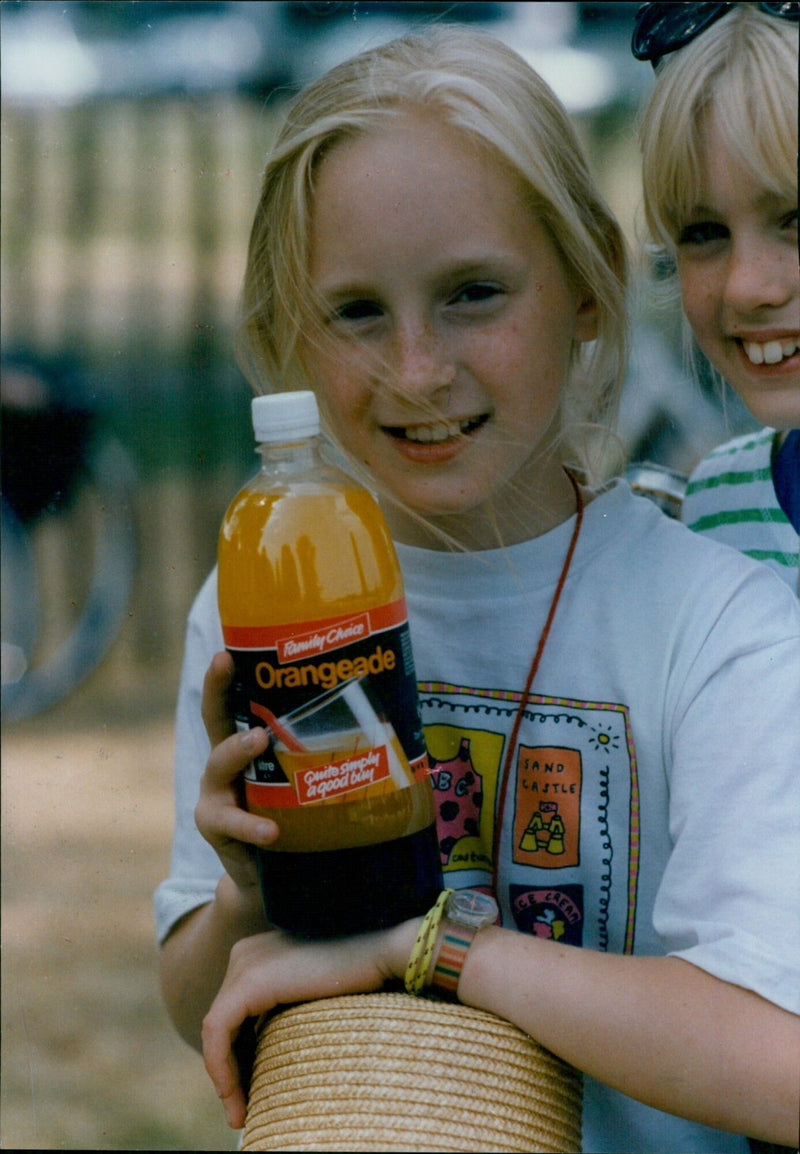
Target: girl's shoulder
700	582
630	530
735	480
747	457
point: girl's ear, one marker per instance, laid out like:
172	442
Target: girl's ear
586	317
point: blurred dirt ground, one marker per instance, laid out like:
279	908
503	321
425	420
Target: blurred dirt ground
89	1057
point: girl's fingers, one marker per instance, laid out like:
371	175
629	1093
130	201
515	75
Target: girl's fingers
219	815
223	1070
235	1107
272	969
239	999
232	755
215	706
223	823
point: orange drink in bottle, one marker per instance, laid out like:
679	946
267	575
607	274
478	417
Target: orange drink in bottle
313	612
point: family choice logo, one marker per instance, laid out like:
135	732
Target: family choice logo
318	641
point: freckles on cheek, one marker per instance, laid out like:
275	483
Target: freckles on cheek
697	294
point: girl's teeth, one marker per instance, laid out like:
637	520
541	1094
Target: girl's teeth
769	353
441	431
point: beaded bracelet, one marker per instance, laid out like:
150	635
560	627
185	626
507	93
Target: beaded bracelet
420	959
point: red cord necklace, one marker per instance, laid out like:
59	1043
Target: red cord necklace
537	657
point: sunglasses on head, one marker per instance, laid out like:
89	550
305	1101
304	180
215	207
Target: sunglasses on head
664	27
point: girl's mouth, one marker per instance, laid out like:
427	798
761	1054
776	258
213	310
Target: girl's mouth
436	433
770	352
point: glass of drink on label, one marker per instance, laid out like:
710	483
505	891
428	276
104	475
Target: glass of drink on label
340	746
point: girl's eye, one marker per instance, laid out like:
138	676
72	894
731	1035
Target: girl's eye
790	220
475	293
357	311
702	232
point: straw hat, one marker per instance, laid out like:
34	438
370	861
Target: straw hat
390	1072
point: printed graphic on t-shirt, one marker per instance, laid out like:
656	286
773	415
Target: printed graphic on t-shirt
464	792
555	913
570	842
547	818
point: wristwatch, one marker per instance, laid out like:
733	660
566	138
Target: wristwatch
465	912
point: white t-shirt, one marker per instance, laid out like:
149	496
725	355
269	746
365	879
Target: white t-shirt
653	801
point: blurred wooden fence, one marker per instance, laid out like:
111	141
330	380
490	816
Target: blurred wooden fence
124	234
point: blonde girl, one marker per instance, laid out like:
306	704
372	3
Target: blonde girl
430	256
719	146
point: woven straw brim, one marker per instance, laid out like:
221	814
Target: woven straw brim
390	1072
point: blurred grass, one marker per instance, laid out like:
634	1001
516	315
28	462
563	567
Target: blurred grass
90	1059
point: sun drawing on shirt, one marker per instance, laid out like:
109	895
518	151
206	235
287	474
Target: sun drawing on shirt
604	738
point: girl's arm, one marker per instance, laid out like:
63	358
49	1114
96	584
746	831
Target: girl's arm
658	1029
194	957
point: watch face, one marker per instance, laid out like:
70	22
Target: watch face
472	908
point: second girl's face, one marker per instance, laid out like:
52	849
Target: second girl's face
740	283
449	319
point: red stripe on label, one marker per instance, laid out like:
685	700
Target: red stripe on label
311	638
262	796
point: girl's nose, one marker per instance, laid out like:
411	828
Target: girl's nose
760	275
420	366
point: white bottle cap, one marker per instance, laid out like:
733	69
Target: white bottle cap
285	417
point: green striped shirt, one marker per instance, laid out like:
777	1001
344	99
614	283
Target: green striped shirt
731	497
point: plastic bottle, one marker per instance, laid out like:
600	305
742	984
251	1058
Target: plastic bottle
313	612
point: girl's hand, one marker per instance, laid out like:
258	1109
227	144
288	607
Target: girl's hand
219	815
274	969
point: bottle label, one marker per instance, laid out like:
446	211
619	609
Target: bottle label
339	698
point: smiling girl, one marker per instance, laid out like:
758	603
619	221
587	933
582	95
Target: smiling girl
719	142
430	255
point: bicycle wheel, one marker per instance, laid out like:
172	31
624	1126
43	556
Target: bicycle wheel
32	683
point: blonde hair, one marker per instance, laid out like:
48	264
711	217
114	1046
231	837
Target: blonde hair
484	89
743	72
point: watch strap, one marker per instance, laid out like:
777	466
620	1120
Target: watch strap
456	941
420	959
